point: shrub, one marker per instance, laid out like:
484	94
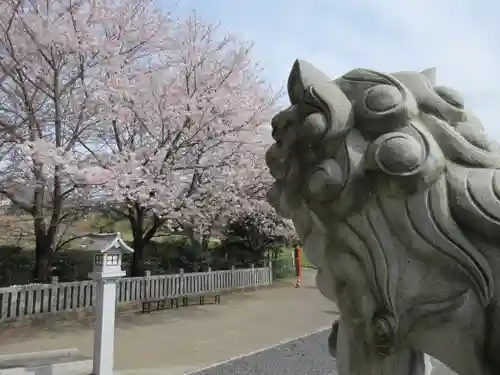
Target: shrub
250	237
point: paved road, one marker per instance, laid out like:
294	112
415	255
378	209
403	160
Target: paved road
305	356
174	342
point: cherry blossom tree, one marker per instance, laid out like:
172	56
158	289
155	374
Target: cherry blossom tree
180	147
60	61
222	194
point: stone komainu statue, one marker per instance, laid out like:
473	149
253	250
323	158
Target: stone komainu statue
394	190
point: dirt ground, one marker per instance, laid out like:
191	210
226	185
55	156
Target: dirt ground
192	337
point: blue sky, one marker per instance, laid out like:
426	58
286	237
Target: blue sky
461	38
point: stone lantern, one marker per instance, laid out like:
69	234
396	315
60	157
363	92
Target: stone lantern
108	249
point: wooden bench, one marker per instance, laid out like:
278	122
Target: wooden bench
201	297
151	304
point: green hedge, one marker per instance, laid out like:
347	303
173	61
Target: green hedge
167	257
16	264
283	269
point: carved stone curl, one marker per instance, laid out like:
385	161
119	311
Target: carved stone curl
394	189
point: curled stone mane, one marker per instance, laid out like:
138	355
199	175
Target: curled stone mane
459	162
394	172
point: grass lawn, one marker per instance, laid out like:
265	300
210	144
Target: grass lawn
306	263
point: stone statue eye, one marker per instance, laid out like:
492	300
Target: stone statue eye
450	96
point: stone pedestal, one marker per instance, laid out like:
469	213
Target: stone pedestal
104	332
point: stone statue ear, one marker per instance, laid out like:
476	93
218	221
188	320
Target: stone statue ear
302	76
430	74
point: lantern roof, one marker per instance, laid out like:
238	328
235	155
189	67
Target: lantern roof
103	242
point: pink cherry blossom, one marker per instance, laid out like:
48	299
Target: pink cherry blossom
117	103
187	142
63	64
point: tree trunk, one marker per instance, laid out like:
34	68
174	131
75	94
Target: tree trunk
142	237
43	260
137	268
45	242
46	237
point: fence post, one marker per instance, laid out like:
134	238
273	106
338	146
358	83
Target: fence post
270	267
233	277
53	294
182	290
147	285
253	277
210	279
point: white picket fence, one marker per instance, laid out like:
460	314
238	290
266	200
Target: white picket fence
26	301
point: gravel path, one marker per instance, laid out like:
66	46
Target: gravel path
304	356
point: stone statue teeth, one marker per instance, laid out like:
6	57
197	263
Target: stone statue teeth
400	211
